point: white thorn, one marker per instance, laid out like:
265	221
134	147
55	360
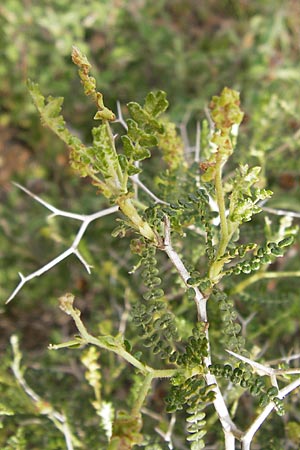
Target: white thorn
83	261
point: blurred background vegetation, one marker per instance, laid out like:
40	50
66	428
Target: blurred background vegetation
189	48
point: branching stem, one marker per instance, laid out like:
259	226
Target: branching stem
142	395
248	436
229	428
110	343
127	208
200	300
73	249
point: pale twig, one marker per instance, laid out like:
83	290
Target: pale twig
229	428
200	300
280	212
45	408
167	435
125	314
138	182
285	359
55	211
248	436
120	118
152	414
170	430
73	249
198	143
183	132
245	322
261	369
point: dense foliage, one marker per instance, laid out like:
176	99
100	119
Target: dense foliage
238	256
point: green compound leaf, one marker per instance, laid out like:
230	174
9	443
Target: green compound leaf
134	150
87	161
49	109
50	112
156	103
101	157
146	117
243	199
137	141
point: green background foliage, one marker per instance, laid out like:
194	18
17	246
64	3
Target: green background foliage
191	50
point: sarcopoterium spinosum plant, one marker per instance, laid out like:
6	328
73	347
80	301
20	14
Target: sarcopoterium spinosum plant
192	224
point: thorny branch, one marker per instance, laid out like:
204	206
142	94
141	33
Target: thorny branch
229	428
280	212
231	432
73	249
248	436
261	369
200	300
